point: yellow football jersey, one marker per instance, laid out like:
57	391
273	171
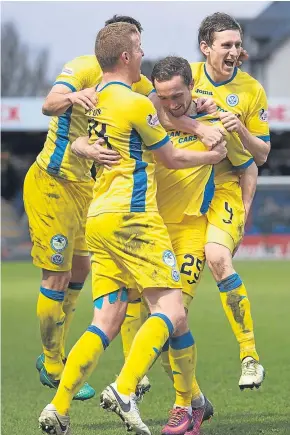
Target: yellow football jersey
56	157
190	191
129	124
242	95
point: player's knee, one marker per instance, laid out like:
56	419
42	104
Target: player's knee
109	316
56	280
219	262
181	323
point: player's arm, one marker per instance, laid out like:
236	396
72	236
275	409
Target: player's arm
209	135
95	151
174	158
69	88
259	148
145	121
248	183
254	134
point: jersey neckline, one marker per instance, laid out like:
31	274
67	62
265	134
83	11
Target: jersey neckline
112	83
215	84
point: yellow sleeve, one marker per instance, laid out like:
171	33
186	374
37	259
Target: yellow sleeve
145	121
239	156
257	118
80	73
143	87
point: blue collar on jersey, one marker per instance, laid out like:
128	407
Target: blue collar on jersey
198	115
221	83
113	83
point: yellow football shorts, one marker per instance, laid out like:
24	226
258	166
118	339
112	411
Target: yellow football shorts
57	211
188	240
131	250
226	216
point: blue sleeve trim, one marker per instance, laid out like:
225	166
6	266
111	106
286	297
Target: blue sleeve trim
245	165
152	92
264	138
160	143
72	88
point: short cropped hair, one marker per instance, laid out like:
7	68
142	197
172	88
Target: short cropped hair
112	40
125	19
218	22
172	66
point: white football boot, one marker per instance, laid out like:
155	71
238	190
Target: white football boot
51	422
125	407
252	375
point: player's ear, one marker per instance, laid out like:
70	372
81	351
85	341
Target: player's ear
191	84
204	48
125	56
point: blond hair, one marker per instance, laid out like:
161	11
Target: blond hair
111	42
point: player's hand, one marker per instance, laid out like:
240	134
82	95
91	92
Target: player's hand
230	121
104	156
242	57
218	153
211	136
86	98
205	105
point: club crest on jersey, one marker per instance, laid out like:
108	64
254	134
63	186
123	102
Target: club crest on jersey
175	275
153	120
59	242
232	100
263	115
169	258
57	259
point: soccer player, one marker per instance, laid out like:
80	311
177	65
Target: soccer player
242	105
57	192
184	198
129	242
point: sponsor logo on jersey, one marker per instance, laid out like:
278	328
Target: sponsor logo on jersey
232	100
263	115
203	92
153	120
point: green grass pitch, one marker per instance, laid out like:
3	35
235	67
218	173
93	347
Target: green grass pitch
265	411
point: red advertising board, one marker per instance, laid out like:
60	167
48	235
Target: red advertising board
265	246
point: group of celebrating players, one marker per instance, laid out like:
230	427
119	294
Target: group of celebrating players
176	162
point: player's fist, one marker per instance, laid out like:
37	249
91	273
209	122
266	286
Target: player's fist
205	105
86	98
211	136
218	153
230	121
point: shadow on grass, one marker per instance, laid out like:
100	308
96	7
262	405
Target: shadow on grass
274	424
222	427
